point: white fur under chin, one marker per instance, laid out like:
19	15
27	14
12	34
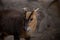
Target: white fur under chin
29	29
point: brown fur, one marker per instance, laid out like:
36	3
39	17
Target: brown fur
16	15
33	23
7	22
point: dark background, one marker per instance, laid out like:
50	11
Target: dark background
48	19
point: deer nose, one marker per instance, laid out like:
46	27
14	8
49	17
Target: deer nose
29	29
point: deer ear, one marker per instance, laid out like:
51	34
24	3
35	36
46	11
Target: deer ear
25	9
36	10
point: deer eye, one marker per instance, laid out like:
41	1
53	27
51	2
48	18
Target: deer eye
31	19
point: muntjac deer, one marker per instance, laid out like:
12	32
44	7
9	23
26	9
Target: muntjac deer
12	23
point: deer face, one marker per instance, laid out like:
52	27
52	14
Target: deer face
32	20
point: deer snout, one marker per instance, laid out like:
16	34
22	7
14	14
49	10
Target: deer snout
29	29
